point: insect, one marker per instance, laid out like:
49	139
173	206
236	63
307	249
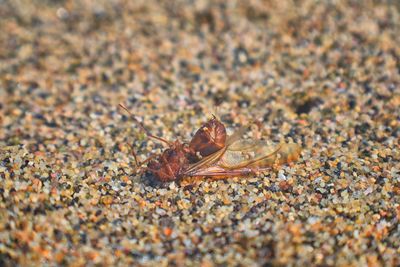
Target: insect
212	153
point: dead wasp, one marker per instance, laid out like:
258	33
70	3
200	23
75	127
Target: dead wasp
212	153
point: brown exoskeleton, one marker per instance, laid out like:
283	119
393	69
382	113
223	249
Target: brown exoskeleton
211	153
209	138
172	162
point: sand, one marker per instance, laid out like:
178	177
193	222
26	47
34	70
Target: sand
323	74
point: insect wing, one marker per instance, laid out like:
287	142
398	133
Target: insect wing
237	135
258	155
246	145
285	153
234	163
217	172
242	157
233	143
205	162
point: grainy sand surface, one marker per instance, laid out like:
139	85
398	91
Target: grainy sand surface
324	74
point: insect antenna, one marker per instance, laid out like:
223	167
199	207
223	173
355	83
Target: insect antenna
140	124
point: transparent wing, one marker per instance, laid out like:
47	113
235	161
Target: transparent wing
217	172
241	156
246	145
206	161
286	153
237	135
258	155
213	158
